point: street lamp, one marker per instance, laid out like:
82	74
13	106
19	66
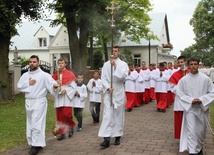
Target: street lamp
149	34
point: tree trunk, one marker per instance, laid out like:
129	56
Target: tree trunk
5	88
105	49
78	47
91	51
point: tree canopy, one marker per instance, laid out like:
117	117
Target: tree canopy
83	19
11	12
203	27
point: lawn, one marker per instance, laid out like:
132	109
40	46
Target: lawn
13	125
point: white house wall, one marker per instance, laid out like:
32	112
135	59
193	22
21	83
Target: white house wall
61	40
163	38
42	33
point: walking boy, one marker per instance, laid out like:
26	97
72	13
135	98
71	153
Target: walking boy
63	100
79	101
95	88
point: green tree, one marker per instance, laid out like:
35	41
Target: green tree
126	56
131	18
11	12
203	27
98	59
82	18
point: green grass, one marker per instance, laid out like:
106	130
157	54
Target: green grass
13	122
212	116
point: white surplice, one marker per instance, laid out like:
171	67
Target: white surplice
130	81
161	82
113	116
146	76
79	101
36	104
95	91
193	130
65	100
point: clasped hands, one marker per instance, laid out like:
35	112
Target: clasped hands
196	101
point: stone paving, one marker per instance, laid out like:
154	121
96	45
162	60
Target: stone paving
147	132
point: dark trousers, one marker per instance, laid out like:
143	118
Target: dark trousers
95	111
78	115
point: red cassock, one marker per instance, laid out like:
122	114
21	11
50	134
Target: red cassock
138	99
146	96
138	96
152	93
178	115
161	99
64	114
170	98
130	100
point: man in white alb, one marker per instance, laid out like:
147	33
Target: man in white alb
196	92
113	113
35	84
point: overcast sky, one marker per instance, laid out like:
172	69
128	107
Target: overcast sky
179	13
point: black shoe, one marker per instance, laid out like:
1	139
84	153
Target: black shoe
201	152
61	137
129	110
71	132
35	150
31	149
117	141
105	144
163	111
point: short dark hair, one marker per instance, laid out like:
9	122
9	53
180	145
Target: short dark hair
161	64
80	75
193	59
35	56
136	65
130	64
62	59
182	57
116	46
97	71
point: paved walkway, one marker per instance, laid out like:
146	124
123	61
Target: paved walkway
147	132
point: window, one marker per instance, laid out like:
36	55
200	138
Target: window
42	42
137	59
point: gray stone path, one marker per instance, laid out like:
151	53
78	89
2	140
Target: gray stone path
147	132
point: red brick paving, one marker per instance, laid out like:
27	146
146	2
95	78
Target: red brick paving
147	132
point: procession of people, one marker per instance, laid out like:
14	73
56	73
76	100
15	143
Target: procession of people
124	86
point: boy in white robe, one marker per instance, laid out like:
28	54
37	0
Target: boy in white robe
161	77
79	101
113	112
95	88
196	92
130	88
35	84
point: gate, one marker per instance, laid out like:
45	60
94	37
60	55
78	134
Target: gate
45	66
